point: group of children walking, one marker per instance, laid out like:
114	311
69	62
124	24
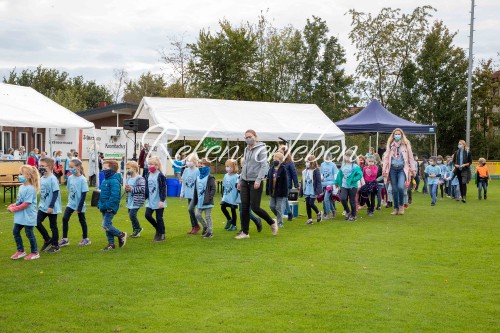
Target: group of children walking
356	185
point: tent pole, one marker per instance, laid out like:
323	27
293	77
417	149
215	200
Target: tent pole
370	143
50	143
435	144
96	158
377	144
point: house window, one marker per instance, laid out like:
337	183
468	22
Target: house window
39	141
6	141
23	140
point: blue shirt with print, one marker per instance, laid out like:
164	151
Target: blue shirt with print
346	169
27	216
154	193
328	171
188	181
432	170
130	196
76	187
47	187
308	183
201	188
230	191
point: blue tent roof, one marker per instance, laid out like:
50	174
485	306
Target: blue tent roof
375	118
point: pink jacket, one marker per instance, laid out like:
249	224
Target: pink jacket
409	166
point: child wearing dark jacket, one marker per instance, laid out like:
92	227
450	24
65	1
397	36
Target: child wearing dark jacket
155	195
204	198
277	186
311	187
109	203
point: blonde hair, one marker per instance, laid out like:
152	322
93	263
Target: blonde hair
463	143
32	176
132	164
279	156
312	162
403	138
112	164
76	162
193	157
233	164
482	160
155	161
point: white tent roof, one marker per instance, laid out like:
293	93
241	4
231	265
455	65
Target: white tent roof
25	107
192	118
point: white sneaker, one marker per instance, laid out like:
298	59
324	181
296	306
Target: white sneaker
242	236
274	227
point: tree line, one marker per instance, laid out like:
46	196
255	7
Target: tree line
405	60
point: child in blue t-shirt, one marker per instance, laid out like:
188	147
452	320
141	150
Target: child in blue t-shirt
328	171
442	182
25	212
77	191
432	173
311	187
177	165
135	188
189	176
204	198
156	193
230	194
49	205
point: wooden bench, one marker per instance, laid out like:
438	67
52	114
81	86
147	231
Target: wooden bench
10	187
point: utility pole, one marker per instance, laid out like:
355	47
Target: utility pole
469	83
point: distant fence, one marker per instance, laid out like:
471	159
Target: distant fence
493	167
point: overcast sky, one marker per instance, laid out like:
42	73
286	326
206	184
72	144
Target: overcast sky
91	38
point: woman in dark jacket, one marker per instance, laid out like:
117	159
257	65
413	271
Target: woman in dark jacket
293	181
462	159
277	187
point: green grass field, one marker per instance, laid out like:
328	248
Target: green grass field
435	269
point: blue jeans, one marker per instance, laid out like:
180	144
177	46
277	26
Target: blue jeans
132	214
19	240
482	185
107	225
192	215
276	206
328	205
433	189
380	186
398	178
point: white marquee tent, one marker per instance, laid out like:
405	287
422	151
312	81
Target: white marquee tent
195	118
25	107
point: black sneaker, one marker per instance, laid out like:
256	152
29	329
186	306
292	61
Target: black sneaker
136	233
433	204
347	217
258	224
204	232
109	247
319	217
208	235
352	218
46	245
53	249
290	217
122	239
160	238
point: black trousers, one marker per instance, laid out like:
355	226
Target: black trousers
349	194
81	217
461	174
53	227
250	199
224	206
311	206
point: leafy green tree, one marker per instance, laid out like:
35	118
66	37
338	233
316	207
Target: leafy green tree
223	63
74	93
385	44
485	116
148	85
433	88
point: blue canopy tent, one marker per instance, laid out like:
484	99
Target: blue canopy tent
374	118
